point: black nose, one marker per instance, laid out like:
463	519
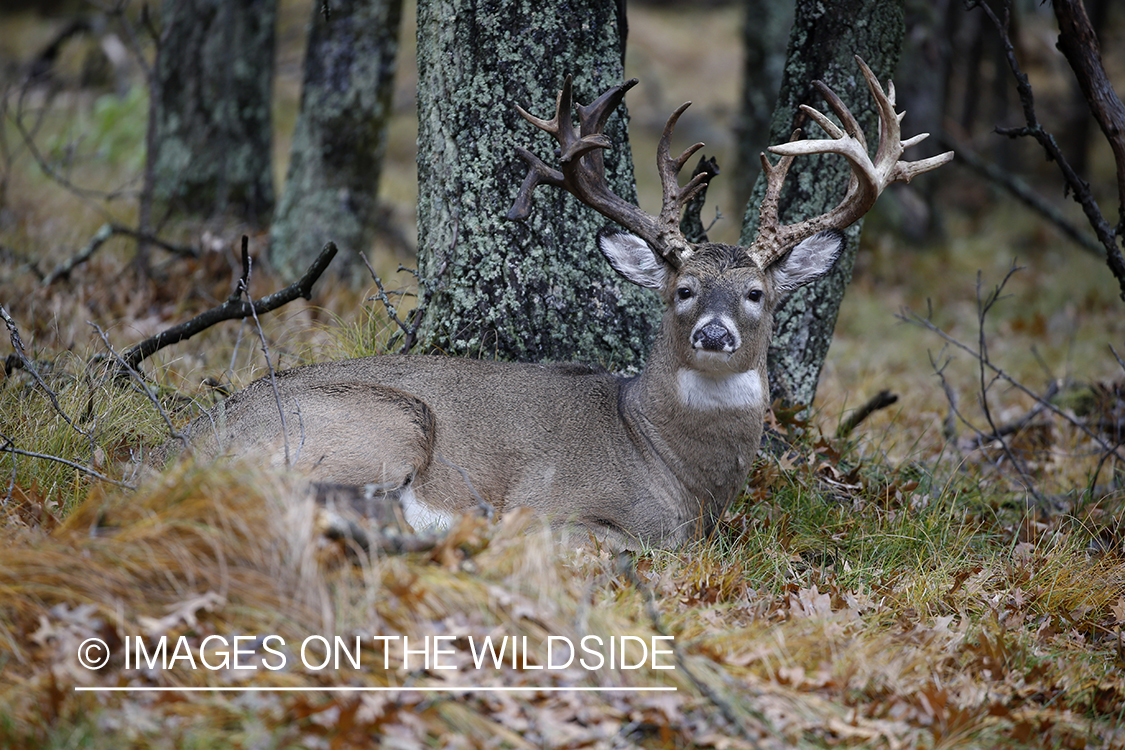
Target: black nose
713	337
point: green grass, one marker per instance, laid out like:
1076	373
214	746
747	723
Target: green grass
78	414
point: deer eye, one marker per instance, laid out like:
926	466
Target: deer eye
684	293
755	295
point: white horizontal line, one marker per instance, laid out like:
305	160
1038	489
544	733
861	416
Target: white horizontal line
349	689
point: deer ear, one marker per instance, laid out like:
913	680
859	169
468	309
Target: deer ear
631	257
808	260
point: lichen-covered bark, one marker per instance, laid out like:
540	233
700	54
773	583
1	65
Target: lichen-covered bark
340	137
537	290
826	35
212	118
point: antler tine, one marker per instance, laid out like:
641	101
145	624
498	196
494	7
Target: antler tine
593	116
869	178
538	173
768	222
674	196
851	125
583	170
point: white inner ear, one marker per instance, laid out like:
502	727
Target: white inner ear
808	260
631	257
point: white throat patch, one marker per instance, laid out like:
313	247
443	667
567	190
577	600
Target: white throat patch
421	516
738	391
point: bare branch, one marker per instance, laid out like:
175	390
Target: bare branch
63	270
383	297
430	287
880	400
949	424
427	288
908	316
233	309
984	305
1080	46
1026	195
25	363
1117	357
49	170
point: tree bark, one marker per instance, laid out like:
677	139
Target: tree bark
214	70
824	40
537	290
341	134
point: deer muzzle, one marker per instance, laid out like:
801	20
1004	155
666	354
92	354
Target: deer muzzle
715	335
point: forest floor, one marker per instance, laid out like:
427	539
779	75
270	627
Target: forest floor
897	586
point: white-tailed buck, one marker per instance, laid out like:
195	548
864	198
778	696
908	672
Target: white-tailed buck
653	459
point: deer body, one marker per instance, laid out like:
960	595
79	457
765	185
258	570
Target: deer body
654	458
574	439
650	460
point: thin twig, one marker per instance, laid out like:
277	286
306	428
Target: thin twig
908	316
45	166
984	305
25	363
63	270
172	431
244	288
1023	192
9	447
1117	357
427	289
949	424
383	297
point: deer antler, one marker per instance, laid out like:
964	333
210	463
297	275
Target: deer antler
583	171
869	177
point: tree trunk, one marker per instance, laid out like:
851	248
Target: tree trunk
824	39
537	290
765	29
341	134
212	133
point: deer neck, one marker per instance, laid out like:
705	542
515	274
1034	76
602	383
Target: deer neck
705	428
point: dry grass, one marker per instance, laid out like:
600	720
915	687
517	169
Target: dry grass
995	646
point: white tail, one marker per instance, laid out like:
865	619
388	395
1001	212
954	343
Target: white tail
650	460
